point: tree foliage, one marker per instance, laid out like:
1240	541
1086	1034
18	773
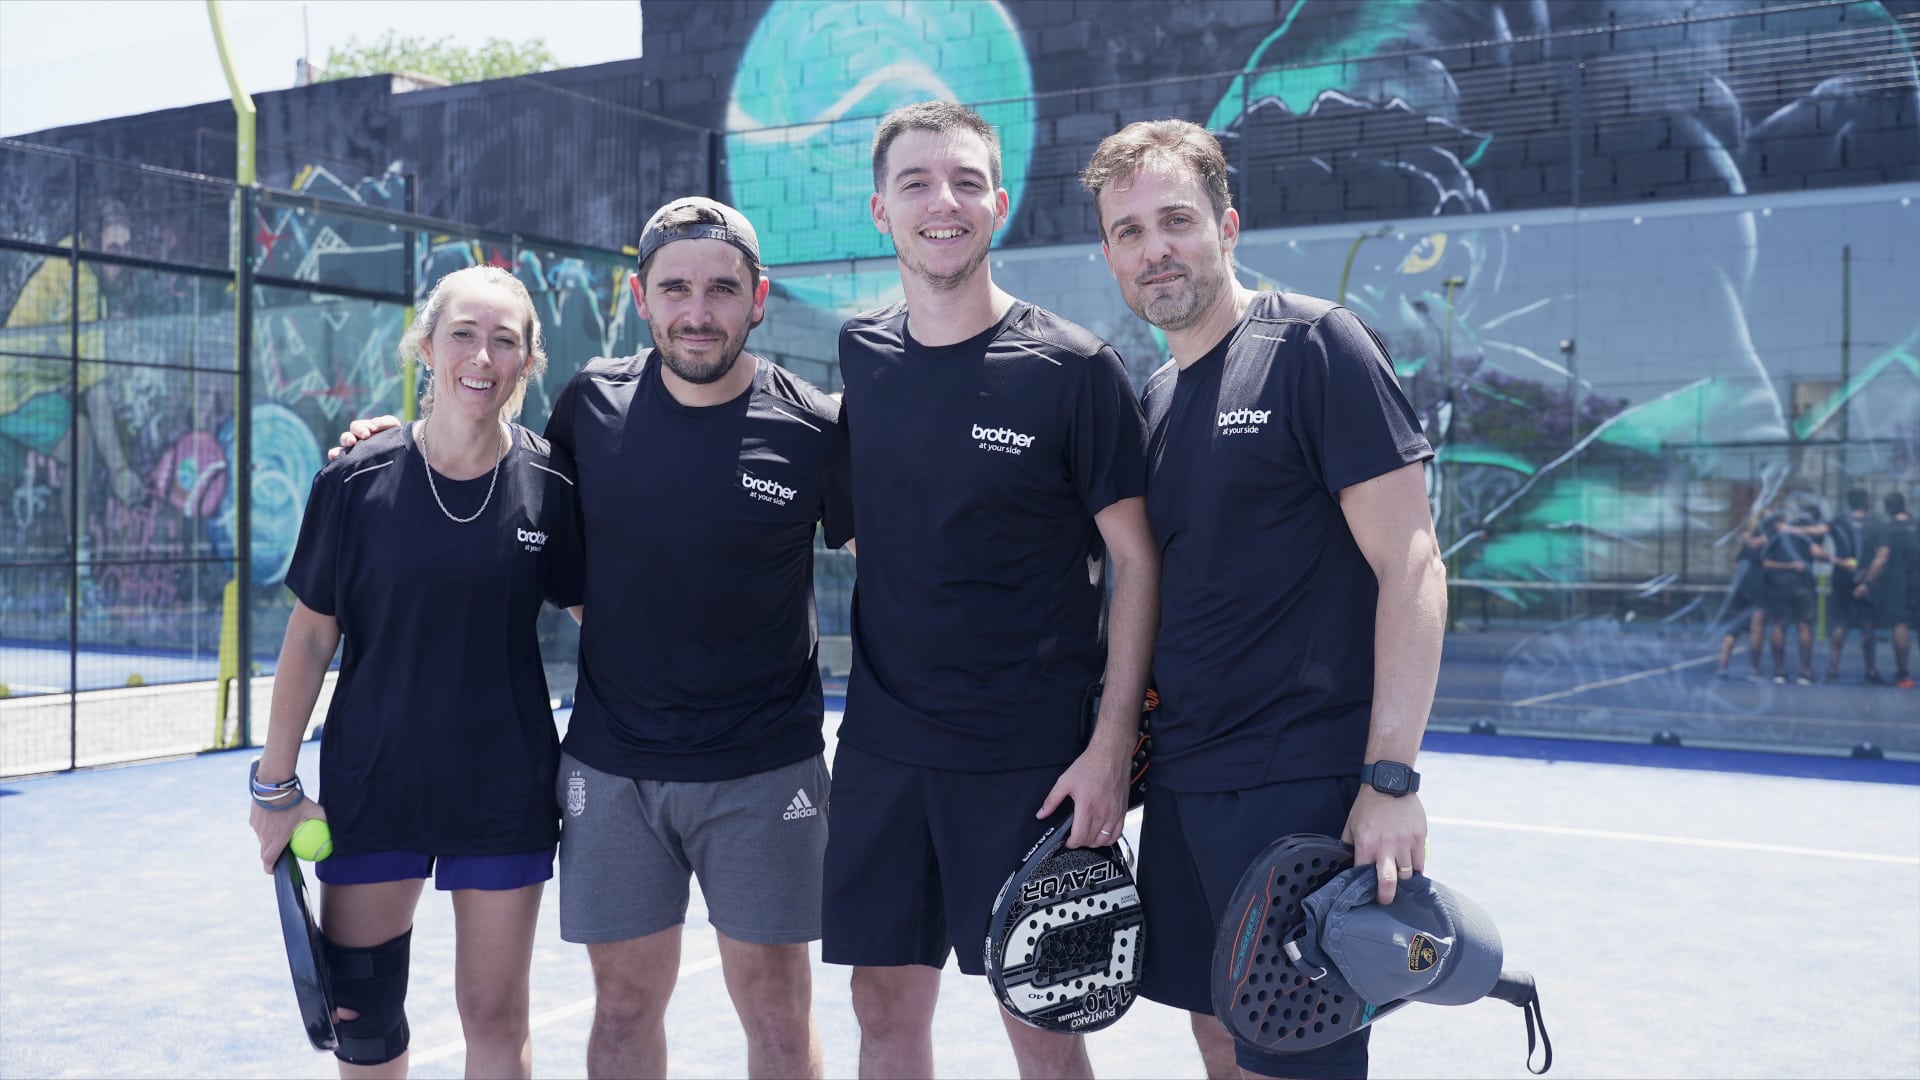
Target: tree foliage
442	58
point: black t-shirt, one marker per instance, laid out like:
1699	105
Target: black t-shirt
977	607
1902	541
440	738
1847	539
1789	547
699	650
1264	660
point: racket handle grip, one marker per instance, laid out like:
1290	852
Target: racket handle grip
1518	987
1514	987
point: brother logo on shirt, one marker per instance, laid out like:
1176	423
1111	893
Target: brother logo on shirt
766	490
1001	440
1243	421
532	539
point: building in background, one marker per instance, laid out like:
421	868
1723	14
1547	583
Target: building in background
1647	267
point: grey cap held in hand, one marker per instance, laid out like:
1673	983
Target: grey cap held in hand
1431	944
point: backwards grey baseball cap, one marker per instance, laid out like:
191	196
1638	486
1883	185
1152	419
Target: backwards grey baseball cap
731	226
1431	944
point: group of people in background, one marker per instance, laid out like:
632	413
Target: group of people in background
1874	562
1254	531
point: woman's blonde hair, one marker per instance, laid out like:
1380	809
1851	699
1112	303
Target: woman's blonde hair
428	318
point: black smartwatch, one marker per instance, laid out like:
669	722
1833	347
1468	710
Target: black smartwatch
1390	778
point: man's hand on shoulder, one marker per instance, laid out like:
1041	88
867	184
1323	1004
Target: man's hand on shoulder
361	429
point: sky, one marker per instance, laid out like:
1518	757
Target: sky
75	61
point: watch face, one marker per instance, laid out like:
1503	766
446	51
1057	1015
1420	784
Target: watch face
1391	777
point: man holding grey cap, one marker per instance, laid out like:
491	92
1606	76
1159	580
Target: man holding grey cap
1344	960
1303	597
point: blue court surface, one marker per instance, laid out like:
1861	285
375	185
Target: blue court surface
1686	916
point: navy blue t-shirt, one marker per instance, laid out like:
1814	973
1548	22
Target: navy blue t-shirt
1846	536
440	738
977	607
1264	661
699	650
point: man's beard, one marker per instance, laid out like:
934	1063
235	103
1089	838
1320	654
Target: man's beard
694	371
1181	310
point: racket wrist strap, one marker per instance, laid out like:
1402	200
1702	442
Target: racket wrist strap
284	795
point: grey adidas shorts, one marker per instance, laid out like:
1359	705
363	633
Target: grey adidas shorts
627	848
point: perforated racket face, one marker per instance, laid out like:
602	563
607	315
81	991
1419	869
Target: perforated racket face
1257	994
1063	944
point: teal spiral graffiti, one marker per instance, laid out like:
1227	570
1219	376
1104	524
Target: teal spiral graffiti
286	454
811	85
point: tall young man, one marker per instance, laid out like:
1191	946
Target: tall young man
997	453
1304	598
1852	554
1892	579
695	745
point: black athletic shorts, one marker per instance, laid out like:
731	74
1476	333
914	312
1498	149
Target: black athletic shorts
1194	846
1789	596
1844	609
1889	597
916	856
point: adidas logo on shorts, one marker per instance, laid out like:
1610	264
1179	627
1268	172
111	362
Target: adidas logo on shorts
800	807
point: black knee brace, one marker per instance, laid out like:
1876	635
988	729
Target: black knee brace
373	983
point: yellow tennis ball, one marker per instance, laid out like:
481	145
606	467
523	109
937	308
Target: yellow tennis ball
312	840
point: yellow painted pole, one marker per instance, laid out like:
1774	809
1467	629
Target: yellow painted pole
232	669
243	111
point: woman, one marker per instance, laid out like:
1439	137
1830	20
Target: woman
429	549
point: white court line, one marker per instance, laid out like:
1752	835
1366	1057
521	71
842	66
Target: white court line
1695	662
1686	841
584	1005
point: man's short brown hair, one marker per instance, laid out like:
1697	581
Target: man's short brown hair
935	116
1123	153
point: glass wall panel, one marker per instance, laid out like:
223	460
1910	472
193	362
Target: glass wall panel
1613	395
39	206
36	454
37	292
154	215
155	461
318	362
303	242
161	317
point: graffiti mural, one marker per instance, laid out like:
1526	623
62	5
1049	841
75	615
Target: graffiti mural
125	459
810	85
1614	394
1645	280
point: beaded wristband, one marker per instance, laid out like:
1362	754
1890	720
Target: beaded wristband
282	796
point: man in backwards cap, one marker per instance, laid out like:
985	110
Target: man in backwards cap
695	744
1303	597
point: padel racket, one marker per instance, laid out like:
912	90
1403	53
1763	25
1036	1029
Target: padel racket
1063	945
1137	772
1266	997
310	986
1257	994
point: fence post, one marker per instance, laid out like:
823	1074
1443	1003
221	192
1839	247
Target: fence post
243	459
77	524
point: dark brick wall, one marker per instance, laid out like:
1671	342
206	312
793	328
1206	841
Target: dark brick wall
1436	106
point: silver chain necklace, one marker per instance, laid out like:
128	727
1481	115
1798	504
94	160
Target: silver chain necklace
436	490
